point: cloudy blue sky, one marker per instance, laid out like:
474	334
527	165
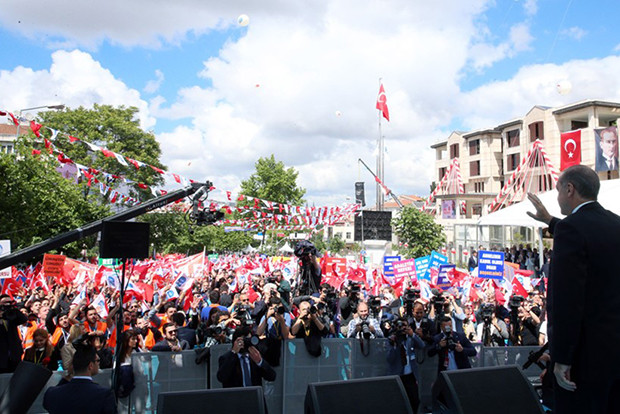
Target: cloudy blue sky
301	80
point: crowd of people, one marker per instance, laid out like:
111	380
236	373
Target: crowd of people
257	316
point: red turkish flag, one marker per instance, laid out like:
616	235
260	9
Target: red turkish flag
570	151
382	103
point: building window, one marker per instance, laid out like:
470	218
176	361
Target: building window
578	125
348	235
442	172
474	168
536	131
513	161
6	148
476	209
474	147
513	138
454	151
440	154
479	187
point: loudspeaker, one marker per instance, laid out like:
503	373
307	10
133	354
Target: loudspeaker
360	197
490	390
24	387
124	240
247	400
376	225
367	395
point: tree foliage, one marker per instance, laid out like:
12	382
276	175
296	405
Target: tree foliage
37	203
419	231
116	129
335	245
272	181
170	234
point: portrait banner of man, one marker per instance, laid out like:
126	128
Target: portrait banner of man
606	148
448	209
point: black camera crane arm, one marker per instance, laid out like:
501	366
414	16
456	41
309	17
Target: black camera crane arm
96	226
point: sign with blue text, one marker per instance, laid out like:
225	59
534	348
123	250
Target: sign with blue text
491	265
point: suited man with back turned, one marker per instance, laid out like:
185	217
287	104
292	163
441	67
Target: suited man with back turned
583	297
81	394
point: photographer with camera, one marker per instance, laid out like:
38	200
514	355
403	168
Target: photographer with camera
282	286
454	348
348	305
492	331
309	278
309	326
10	345
363	326
423	326
402	360
243	365
526	322
274	327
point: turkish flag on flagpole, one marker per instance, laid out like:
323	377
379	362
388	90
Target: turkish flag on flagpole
382	103
570	151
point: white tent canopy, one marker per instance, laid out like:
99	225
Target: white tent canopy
286	249
516	214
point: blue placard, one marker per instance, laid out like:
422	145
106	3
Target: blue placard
436	261
491	265
388	269
443	281
421	267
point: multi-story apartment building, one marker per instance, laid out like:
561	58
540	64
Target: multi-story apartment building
488	157
7	137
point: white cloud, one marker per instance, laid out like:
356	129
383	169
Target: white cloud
153	85
277	88
484	54
530	7
574	32
497	102
74	79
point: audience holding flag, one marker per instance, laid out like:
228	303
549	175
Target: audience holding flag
173	302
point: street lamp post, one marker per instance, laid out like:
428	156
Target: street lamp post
30	117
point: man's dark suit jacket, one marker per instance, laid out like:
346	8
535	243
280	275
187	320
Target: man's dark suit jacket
584	300
10	344
601	163
230	375
461	358
79	396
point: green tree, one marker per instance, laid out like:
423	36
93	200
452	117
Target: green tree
274	182
335	244
116	129
170	234
419	231
37	203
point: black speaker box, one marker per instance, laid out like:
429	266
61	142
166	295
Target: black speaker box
124	240
24	387
376	225
490	390
367	395
247	400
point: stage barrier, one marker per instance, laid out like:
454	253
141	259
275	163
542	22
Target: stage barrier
341	359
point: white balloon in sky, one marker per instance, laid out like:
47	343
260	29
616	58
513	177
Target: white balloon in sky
564	87
338	113
243	20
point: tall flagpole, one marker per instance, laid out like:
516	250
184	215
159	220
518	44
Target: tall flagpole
379	192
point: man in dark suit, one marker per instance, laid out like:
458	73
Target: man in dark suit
10	344
81	394
453	347
583	299
243	365
472	263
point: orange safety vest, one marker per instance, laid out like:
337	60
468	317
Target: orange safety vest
100	326
112	339
56	336
28	338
